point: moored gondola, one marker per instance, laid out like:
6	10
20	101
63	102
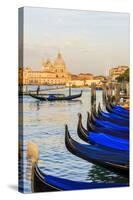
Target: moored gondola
39	183
100	112
110	125
111	113
82	132
94	117
113	105
92	127
115	111
119	108
113	161
47	183
56	98
101	139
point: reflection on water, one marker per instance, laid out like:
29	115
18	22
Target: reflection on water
38	104
43	123
97	173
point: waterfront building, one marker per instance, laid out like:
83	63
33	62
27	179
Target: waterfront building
87	79
96	81
51	73
83	76
24	75
56	73
114	72
100	78
75	83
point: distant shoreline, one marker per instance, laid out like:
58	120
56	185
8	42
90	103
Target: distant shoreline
63	86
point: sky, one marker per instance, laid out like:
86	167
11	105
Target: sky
90	41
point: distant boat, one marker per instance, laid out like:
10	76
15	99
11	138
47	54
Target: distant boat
52	97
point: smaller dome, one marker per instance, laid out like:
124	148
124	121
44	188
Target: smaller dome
47	65
48	61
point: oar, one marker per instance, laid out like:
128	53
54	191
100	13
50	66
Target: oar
33	152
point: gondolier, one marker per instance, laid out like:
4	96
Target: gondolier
38	89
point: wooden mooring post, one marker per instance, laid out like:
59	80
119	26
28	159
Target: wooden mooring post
117	93
113	93
109	91
20	88
127	90
104	93
69	89
93	95
26	88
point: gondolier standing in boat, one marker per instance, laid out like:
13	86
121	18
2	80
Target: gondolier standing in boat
38	89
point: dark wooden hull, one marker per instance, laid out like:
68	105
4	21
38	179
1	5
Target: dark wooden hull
38	181
40	185
109	109
100	113
94	117
91	127
81	131
71	146
84	135
65	98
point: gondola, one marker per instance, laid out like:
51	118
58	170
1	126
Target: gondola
55	98
113	161
45	183
92	127
118	107
115	111
102	140
94	117
114	116
82	132
39	183
110	125
100	112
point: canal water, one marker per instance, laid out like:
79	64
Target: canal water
43	123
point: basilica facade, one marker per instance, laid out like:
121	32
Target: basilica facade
56	73
52	73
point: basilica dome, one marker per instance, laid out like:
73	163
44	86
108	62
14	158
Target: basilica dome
59	60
